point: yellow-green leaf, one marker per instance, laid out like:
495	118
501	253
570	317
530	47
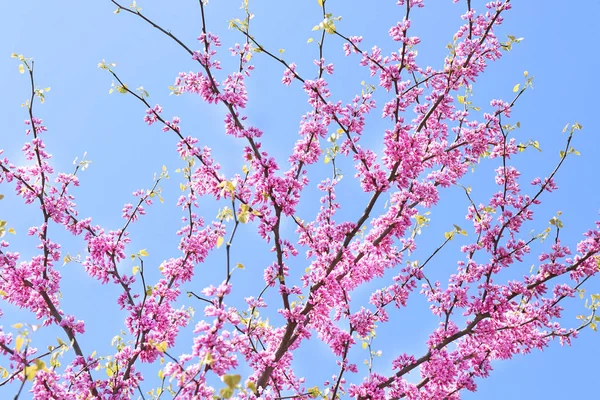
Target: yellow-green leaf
143	253
19	343
162	346
314	392
21	69
226	393
516	87
220	241
232	380
30	372
40	364
208	359
243	216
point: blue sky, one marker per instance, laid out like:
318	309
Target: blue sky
67	41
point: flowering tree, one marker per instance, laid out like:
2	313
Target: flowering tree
314	284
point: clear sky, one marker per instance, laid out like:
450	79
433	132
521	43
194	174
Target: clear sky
68	38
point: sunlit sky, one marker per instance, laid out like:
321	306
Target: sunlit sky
68	39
